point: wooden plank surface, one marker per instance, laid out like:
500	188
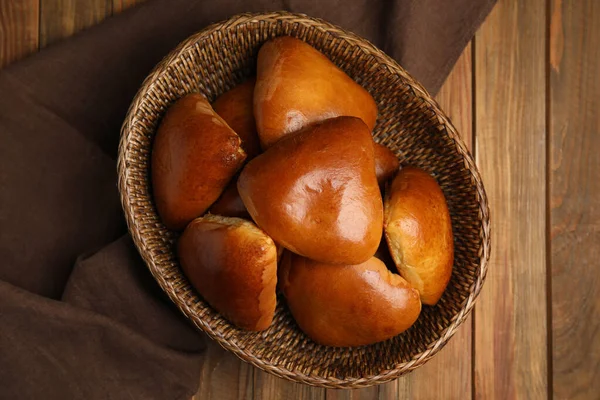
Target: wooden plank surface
574	122
449	372
62	18
18	29
267	386
121	5
224	376
370	393
394	390
510	317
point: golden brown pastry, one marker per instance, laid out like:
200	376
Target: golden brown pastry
419	232
195	154
233	265
386	164
230	203
316	193
347	305
236	108
297	85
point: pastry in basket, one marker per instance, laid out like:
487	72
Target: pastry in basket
347	305
233	265
194	156
315	192
419	232
230	203
297	85
386	164
235	107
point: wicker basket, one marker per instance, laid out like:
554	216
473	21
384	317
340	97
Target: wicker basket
410	123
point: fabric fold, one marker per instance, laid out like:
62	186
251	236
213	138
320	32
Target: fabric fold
55	350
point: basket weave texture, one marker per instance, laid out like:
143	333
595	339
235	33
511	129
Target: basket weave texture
409	122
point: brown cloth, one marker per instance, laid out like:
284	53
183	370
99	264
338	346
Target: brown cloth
97	326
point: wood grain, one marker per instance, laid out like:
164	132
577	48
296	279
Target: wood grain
267	386
510	318
450	371
63	18
18	29
393	391
122	5
370	393
574	122
224	376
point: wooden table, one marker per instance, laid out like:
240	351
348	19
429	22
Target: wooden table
525	96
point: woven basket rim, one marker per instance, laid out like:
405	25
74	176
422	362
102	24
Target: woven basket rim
418	90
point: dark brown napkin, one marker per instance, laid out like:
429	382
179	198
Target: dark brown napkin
96	326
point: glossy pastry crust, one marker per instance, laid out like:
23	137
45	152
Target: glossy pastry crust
418	231
347	305
233	265
194	156
297	85
316	192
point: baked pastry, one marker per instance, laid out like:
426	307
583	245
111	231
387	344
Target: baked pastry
347	305
316	193
419	232
386	164
297	85
233	265
194	155
236	108
230	203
